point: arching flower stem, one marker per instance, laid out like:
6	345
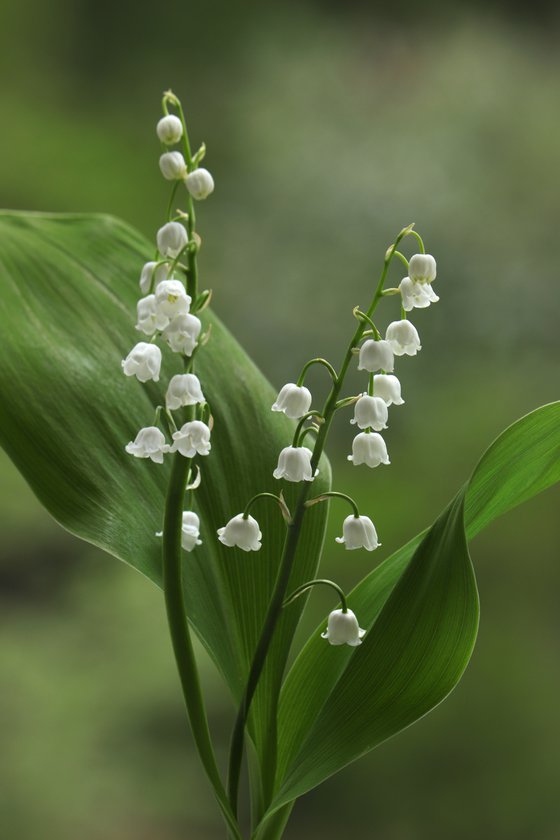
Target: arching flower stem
334	494
299	427
310	584
317	361
278	499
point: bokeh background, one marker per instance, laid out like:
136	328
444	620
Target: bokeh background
329	126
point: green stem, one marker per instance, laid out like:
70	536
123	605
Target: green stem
288	556
317	361
335	494
295	441
310	584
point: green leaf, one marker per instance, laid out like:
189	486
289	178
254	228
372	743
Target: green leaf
420	608
69	291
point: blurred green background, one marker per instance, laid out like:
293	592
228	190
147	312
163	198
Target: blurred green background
329	126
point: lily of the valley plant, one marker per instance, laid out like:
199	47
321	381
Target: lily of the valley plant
231	532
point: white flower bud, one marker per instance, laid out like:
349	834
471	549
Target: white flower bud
183	389
143	362
358	532
241	532
422	268
199	183
192	438
343	629
190	530
161	273
171	299
149	443
172	166
371	412
171	239
169	129
149	319
388	387
294	464
369	448
403	338
293	400
416	295
182	333
376	355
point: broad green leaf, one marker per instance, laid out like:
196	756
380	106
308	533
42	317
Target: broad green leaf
68	301
337	704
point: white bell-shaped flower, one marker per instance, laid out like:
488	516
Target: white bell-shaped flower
171	239
369	448
376	355
182	333
416	295
343	629
294	464
422	268
171	299
243	532
371	412
190	530
403	338
148	271
149	319
169	129
293	400
388	387
193	438
199	183
359	532
143	362
183	389
149	443
172	166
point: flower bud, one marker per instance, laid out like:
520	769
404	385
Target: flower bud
294	464
193	438
388	387
293	400
422	268
376	355
241	532
149	443
403	338
190	530
171	299
143	362
343	629
182	333
149	319
199	183
161	273
169	129
171	239
369	448
172	166
183	389
358	532
371	412
416	295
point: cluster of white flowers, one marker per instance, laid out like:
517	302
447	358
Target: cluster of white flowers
165	313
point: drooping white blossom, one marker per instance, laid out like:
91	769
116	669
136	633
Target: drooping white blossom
169	129
199	183
193	438
376	355
241	531
143	362
172	166
171	299
171	239
358	532
343	629
403	338
149	443
388	387
149	319
150	271
293	400
190	530
422	268
371	412
183	389
416	295
294	464
182	333
369	448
